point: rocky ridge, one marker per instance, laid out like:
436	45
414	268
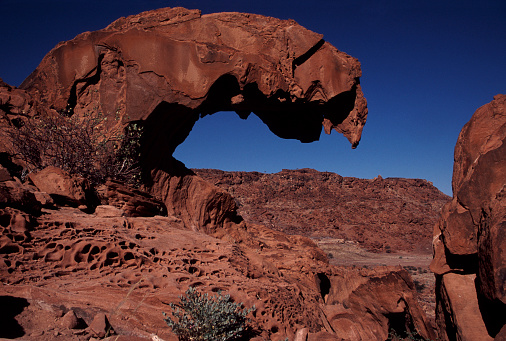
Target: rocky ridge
386	215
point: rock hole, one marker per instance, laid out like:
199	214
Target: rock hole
5	220
9	248
323	284
128	256
94	250
397	324
193	270
112	255
182	279
86	248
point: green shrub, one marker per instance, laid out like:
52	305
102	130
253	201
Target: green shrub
200	317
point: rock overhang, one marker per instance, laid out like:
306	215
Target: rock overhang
289	76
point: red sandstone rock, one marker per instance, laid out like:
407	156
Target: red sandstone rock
62	186
131	268
100	326
4	174
175	55
69	320
390	214
470	237
132	202
166	68
17	195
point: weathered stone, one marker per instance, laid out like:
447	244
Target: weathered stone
69	320
15	194
4	174
325	204
100	326
166	76
132	202
459	304
107	211
63	187
470	238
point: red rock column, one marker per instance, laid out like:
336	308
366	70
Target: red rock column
470	238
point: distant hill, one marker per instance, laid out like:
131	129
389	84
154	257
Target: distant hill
389	215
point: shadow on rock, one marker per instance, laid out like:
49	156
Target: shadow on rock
9	308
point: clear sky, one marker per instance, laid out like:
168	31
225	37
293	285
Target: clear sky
427	66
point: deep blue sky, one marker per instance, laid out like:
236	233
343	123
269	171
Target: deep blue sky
427	66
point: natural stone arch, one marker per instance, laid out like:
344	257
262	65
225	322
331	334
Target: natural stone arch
169	67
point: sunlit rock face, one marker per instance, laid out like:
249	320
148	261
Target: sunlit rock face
164	70
169	67
284	73
470	239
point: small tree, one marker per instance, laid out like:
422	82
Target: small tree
200	317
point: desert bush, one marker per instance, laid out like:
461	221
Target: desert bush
200	317
393	335
80	145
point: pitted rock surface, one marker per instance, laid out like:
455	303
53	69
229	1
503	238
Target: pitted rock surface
164	70
130	269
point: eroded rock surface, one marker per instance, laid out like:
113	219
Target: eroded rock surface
165	69
130	268
470	238
389	215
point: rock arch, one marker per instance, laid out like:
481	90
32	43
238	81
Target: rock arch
169	67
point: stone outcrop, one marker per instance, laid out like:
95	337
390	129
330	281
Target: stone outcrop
165	69
130	268
470	239
388	215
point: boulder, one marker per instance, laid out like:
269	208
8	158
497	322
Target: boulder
63	187
17	195
4	174
130	201
470	238
100	326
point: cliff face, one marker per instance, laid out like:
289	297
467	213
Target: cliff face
381	214
470	239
